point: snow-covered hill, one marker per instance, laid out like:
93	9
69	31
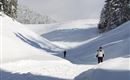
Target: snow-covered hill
27	54
27	16
19	42
59	33
114	69
115	44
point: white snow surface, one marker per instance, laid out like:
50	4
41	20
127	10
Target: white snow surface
19	42
26	62
78	24
61	33
21	60
115	43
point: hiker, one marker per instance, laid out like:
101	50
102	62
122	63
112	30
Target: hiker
100	54
64	53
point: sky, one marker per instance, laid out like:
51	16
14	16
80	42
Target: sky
66	10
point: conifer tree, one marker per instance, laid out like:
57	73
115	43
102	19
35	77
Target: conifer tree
114	13
9	7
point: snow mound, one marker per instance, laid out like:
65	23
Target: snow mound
117	56
57	69
115	43
67	34
19	42
114	69
22	59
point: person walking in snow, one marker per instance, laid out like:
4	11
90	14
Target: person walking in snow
64	53
100	54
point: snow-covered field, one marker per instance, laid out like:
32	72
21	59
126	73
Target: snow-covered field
27	51
26	55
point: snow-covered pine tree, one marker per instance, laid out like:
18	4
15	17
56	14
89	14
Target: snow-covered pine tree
114	13
105	13
9	7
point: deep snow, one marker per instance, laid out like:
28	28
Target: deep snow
26	55
21	58
67	34
115	43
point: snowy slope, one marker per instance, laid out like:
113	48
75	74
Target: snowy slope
118	65
19	42
22	59
59	33
25	60
114	69
115	43
81	39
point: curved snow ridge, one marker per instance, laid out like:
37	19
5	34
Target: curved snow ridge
60	69
20	43
18	29
15	27
116	41
121	63
113	69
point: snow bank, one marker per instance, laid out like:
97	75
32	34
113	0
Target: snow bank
114	69
67	34
115	43
117	56
20	43
26	51
22	57
58	69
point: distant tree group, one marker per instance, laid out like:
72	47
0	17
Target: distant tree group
27	15
114	13
9	7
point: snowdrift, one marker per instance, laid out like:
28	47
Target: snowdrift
20	43
117	56
115	44
25	51
67	34
114	69
22	57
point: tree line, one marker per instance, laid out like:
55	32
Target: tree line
114	13
9	7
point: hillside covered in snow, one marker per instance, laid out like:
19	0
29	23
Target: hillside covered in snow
81	40
37	54
26	55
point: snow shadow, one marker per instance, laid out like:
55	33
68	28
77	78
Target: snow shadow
32	43
4	75
71	35
102	74
115	46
